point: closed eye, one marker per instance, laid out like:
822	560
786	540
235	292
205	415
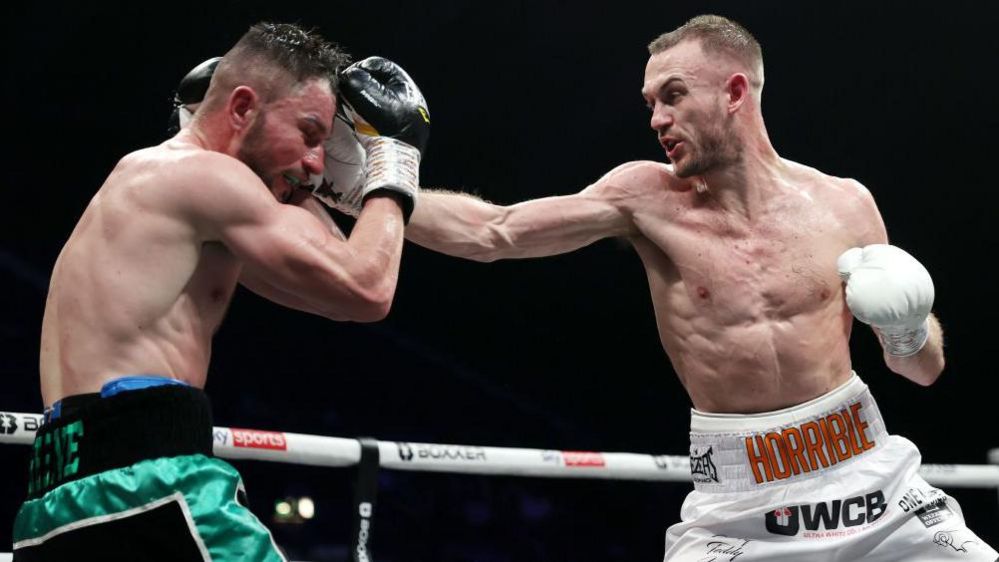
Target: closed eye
312	139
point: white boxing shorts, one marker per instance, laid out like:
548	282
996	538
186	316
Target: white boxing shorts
821	481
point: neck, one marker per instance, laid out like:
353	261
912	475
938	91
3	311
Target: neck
210	136
745	186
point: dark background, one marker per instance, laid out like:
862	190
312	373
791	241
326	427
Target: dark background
528	99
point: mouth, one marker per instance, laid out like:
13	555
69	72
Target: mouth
670	145
294	183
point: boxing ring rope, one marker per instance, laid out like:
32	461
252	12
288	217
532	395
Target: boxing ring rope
370	455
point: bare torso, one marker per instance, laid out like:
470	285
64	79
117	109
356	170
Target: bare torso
134	290
750	310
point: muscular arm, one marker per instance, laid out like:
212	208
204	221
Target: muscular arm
464	226
290	256
925	366
284	298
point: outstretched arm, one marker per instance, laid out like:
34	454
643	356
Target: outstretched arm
465	226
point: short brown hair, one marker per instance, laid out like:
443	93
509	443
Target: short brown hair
274	58
717	35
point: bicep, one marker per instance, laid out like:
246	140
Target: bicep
282	246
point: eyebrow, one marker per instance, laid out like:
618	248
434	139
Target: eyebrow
669	82
324	130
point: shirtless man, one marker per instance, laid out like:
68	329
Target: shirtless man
122	469
746	254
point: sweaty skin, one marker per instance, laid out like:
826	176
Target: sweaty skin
740	252
750	311
145	278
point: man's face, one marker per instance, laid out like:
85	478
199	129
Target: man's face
284	144
687	96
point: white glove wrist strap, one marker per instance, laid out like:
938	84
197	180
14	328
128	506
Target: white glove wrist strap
903	342
391	163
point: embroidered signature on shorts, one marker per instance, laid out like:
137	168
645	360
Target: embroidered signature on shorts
946	539
721	548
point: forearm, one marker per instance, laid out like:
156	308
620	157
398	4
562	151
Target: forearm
457	224
464	226
376	243
925	366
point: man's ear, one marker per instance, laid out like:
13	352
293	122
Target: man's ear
242	107
737	88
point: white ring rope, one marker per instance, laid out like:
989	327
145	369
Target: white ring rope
316	450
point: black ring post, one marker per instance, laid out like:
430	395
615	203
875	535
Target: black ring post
365	494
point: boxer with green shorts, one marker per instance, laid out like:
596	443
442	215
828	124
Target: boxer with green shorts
132	467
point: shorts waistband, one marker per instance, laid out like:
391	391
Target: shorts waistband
99	434
732	452
109	389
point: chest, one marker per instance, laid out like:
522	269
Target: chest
770	269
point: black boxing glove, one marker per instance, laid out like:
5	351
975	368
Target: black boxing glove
189	94
392	123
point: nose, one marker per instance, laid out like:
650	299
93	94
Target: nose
661	119
312	162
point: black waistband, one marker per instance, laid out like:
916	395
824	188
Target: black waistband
99	434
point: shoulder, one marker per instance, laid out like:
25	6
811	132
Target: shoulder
638	171
847	199
191	165
204	187
639	177
845	191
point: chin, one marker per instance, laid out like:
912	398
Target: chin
681	171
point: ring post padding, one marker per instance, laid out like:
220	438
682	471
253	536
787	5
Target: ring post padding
365	496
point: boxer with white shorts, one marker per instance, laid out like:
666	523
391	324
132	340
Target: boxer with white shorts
747	255
819	481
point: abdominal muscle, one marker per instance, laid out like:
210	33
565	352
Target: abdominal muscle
759	367
748	329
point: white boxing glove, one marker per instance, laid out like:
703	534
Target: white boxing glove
890	290
342	184
388	125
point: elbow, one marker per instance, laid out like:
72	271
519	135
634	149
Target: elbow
927	379
374	310
361	310
373	302
363	297
932	373
924	371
